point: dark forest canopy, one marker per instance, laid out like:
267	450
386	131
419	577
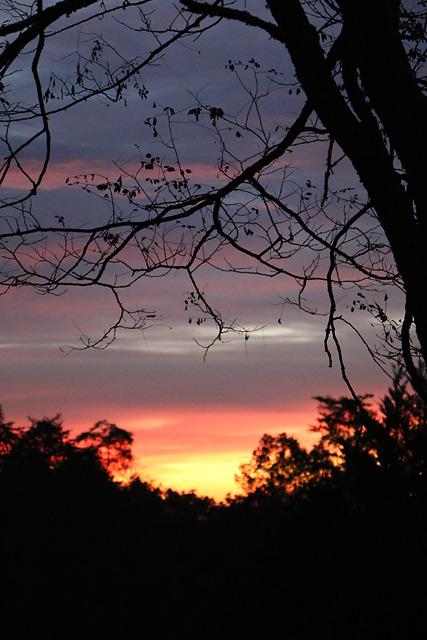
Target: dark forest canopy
357	72
337	532
381	448
376	459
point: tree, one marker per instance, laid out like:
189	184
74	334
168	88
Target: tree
360	90
8	436
111	444
375	458
280	466
46	447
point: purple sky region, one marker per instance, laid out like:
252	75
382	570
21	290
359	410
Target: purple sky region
194	420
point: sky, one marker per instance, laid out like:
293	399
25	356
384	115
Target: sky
194	418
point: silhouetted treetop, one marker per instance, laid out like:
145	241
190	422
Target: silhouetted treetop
112	444
374	456
337	531
281	465
45	445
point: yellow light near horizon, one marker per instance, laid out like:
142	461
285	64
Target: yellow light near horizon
209	474
202	450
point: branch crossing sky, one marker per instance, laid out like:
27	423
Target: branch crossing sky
194	420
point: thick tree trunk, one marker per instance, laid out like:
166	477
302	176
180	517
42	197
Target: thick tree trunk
396	98
387	79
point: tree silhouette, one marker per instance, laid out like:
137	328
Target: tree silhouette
360	92
45	447
111	444
280	465
8	436
85	556
374	459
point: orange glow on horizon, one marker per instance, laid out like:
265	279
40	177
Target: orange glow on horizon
210	475
202	451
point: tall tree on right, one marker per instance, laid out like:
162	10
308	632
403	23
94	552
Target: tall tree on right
360	67
364	79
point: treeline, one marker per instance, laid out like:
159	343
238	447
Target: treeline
323	541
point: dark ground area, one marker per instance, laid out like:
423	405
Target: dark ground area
312	548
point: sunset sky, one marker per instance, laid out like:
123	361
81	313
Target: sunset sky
194	419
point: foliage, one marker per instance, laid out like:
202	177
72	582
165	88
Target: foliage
45	446
112	445
376	459
87	557
281	465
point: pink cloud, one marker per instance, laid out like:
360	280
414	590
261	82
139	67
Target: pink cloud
59	171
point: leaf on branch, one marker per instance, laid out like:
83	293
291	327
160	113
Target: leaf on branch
195	112
215	113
